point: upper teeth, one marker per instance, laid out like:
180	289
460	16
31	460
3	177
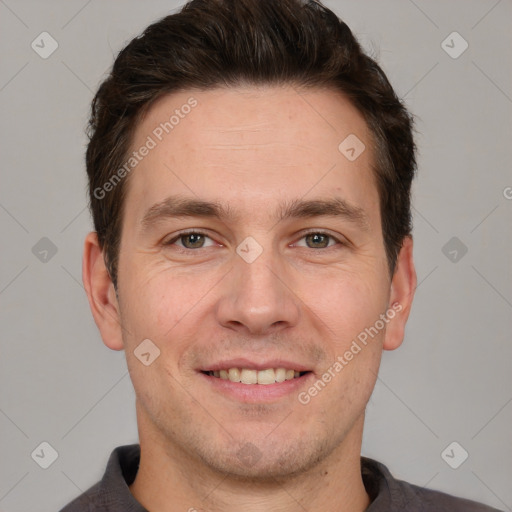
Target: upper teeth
247	376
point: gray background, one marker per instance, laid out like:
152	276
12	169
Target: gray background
451	379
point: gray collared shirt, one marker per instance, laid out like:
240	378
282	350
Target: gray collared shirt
112	494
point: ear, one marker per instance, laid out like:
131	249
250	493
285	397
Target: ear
403	286
101	293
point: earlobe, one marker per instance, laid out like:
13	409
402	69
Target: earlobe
403	286
101	293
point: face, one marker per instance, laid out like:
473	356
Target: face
272	281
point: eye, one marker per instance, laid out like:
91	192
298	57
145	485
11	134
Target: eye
189	240
198	240
320	240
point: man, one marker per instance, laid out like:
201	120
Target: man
250	171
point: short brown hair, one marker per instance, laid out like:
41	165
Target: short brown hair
212	43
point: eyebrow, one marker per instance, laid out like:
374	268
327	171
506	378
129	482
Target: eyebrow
179	206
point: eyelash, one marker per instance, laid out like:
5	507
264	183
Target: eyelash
202	233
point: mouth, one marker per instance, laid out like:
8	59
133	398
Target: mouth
250	381
251	376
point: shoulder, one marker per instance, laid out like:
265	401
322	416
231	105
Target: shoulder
437	501
389	494
112	493
86	502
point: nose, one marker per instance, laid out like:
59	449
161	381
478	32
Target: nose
258	298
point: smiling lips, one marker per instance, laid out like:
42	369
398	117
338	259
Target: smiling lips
250	376
252	370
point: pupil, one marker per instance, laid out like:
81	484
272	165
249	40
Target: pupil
316	237
194	238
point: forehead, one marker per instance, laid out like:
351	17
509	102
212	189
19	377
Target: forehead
252	145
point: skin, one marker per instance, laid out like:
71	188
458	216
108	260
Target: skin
251	148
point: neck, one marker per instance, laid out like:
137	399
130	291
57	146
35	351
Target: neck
170	479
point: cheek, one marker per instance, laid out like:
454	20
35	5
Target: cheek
161	303
146	303
346	304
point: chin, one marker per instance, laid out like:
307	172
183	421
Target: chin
269	461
